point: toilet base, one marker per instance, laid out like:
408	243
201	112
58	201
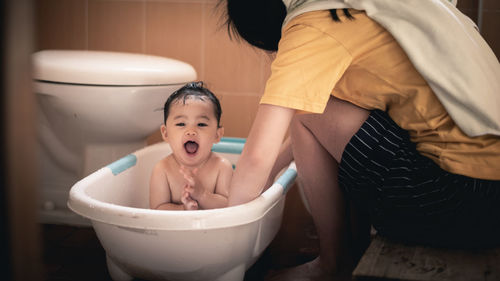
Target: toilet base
56	180
235	274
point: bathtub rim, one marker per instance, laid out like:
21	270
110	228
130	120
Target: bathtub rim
140	218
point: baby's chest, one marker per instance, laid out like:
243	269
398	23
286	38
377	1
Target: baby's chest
203	180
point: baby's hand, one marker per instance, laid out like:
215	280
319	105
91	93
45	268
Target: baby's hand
189	175
195	192
189	203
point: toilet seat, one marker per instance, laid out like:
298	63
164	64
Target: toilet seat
109	68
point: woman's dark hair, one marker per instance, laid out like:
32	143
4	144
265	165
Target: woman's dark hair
259	22
256	21
193	90
335	17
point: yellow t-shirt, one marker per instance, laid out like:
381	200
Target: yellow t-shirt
360	62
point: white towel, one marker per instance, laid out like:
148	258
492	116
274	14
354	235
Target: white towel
446	49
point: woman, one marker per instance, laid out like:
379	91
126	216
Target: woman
379	130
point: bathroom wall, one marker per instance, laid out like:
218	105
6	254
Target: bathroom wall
490	20
188	30
20	248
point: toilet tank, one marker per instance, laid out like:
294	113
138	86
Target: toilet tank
105	96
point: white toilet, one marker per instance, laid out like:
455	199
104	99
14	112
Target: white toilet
93	108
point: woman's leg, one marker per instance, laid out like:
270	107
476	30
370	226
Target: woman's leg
318	141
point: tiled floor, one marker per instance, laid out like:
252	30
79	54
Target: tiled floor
74	253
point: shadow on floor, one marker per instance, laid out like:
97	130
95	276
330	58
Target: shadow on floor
74	253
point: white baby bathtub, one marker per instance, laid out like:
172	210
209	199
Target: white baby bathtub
217	244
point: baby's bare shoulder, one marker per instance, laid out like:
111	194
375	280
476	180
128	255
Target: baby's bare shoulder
164	164
222	162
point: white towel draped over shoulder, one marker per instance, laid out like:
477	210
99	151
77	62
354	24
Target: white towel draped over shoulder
444	46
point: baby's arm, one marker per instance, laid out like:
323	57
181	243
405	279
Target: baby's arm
159	191
222	186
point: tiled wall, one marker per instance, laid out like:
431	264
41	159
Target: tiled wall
191	31
188	30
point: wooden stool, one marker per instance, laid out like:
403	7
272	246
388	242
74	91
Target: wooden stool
387	260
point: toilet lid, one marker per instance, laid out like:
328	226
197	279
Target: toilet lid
109	68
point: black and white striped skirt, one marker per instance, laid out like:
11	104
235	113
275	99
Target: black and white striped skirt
409	197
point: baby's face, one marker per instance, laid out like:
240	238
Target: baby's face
191	129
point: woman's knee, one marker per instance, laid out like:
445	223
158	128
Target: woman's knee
297	123
333	128
300	130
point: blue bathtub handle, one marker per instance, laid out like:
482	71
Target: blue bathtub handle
123	164
229	145
287	178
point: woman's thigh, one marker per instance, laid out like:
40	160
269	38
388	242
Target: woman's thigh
335	127
410	197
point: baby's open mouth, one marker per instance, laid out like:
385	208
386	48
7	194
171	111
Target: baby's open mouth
191	147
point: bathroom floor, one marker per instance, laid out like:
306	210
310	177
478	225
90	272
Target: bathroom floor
74	253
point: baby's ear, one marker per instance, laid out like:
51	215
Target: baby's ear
163	131
220	134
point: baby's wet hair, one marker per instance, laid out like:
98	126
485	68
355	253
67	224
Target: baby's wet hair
196	90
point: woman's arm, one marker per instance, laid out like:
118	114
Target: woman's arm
284	158
259	153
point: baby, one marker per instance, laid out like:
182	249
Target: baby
192	177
